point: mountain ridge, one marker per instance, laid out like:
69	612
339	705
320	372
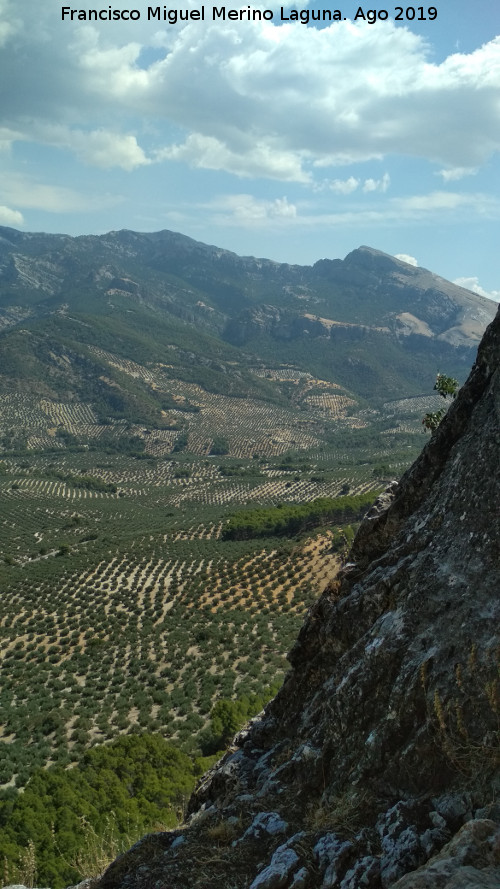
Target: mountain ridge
373	324
361	261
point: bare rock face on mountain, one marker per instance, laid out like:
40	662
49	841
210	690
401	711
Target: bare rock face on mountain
377	764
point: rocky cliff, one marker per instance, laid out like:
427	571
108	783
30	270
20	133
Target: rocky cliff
377	764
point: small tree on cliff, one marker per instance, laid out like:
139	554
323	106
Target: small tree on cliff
447	388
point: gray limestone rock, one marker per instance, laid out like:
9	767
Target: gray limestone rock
470	860
301	879
331	852
268	823
366	872
277	874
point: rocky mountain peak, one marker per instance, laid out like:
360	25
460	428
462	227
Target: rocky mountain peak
377	763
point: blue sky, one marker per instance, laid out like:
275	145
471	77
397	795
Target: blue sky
274	139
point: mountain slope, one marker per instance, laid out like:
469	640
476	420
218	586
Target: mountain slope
371	323
382	745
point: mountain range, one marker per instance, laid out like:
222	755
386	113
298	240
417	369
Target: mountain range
375	326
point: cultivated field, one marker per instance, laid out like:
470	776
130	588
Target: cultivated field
122	609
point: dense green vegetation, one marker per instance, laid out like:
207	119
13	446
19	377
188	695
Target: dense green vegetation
87	482
71	820
228	716
292	519
122	790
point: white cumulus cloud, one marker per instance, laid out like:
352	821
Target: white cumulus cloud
255	99
247	210
10	217
212	154
405	257
473	284
344	186
352	184
377	184
100	148
456	173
